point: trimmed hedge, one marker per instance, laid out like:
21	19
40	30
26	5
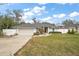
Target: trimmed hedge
54	32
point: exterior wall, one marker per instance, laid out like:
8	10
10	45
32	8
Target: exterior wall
9	32
72	28
49	30
25	31
78	30
59	30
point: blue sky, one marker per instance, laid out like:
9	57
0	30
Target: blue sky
45	12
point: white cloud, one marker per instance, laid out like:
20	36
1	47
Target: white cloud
28	21
73	14
29	13
46	19
26	9
55	16
35	11
62	15
59	15
26	16
38	10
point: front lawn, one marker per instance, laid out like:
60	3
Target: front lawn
55	44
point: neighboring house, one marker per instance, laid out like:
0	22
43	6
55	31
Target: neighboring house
73	26
78	28
64	29
61	29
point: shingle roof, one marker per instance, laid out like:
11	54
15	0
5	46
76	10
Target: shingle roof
68	26
37	25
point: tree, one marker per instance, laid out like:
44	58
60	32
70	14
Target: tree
71	31
68	22
16	14
6	22
35	21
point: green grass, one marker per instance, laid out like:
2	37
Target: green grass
56	44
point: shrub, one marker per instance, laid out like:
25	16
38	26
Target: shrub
37	33
71	31
41	30
53	29
54	32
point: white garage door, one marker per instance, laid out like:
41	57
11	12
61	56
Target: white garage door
26	31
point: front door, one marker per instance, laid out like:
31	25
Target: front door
46	29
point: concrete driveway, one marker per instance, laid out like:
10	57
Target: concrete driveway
9	46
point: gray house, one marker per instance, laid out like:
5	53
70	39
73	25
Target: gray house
65	28
28	26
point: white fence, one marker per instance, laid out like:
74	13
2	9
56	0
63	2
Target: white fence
9	32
